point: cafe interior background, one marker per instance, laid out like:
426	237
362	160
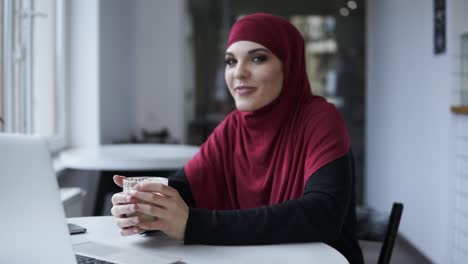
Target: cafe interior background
151	71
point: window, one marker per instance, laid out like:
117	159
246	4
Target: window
32	93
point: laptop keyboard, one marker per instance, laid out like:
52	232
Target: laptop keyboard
88	260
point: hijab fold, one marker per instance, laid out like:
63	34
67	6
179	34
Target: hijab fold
265	157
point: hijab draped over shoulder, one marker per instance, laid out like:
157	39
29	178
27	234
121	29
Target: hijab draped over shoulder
265	157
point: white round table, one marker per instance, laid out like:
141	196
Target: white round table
103	230
126	159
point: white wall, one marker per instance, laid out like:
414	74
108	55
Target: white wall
128	69
408	156
83	72
160	30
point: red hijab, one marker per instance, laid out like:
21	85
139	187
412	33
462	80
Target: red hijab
265	157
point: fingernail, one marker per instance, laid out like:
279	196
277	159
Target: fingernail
127	198
132	192
131	208
138	186
135	220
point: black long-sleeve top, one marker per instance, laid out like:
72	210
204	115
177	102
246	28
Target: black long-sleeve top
325	213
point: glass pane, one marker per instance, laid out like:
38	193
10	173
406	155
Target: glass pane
321	52
44	92
12	66
464	70
18	71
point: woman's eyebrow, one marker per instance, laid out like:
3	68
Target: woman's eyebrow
259	49
249	52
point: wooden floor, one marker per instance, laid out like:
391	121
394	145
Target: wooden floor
403	253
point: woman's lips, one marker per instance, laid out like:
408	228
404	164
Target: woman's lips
244	90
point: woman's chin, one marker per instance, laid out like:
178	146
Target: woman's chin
245	107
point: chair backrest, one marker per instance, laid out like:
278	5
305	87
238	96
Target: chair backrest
376	226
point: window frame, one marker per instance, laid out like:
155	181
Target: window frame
7	65
59	139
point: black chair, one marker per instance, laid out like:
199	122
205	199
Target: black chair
376	226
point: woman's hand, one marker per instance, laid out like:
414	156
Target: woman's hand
166	204
123	204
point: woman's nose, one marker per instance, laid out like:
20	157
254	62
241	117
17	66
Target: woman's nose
241	71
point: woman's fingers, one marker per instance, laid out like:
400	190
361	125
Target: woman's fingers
151	210
122	198
150	197
118	179
128	222
154	225
147	186
118	210
154	199
131	231
123	206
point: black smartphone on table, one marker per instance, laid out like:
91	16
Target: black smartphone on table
75	229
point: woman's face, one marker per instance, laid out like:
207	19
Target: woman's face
254	75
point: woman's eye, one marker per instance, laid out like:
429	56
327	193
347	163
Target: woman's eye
229	61
259	58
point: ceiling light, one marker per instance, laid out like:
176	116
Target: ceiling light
344	11
352	4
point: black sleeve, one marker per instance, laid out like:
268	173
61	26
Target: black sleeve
318	215
325	213
179	182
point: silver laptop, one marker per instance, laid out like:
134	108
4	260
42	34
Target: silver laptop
32	220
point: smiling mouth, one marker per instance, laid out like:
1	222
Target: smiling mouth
244	90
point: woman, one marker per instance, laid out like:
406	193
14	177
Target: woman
276	170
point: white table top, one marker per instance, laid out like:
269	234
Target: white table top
104	230
128	157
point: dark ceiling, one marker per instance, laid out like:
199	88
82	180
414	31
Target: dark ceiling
278	7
